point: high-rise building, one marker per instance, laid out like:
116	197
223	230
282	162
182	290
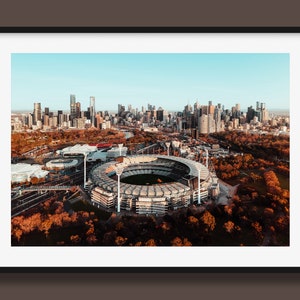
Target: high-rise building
37	113
46	120
250	114
196	105
217	118
121	108
92	110
29	120
54	121
99	120
257	105
211	108
261	112
160	114
59	118
72	107
78	110
203	124
211	123
79	123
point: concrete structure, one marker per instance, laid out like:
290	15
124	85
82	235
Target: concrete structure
157	198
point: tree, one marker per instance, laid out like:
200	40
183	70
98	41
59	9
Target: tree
91	239
229	226
208	221
186	242
120	240
45	226
257	229
75	239
34	180
193	221
17	233
150	243
177	241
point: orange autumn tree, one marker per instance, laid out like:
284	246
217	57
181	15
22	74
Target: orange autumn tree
208	221
272	182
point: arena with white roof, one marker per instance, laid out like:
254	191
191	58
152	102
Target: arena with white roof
23	172
62	164
155	198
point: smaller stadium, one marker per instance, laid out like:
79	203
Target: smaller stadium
151	184
61	164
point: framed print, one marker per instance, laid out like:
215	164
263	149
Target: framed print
158	150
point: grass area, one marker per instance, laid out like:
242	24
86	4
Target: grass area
284	181
260	185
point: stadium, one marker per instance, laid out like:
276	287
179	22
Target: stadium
151	184
62	164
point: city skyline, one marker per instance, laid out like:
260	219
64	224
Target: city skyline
168	80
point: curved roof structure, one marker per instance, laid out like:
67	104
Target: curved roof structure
22	172
62	163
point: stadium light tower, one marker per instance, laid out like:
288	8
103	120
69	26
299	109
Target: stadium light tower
84	175
168	147
119	171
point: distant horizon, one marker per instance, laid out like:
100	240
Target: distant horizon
270	110
169	80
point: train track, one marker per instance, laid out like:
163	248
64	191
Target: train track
20	203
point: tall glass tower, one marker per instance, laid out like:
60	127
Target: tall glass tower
92	110
72	107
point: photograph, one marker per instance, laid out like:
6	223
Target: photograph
150	149
122	142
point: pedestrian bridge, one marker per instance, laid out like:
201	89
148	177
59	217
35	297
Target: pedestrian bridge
40	188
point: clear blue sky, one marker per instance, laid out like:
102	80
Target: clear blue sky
168	80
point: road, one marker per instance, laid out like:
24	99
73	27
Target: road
227	191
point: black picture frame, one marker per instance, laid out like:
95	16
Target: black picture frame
258	16
121	270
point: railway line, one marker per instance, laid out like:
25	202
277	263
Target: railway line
24	199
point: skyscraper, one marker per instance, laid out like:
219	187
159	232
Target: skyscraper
37	113
210	108
92	110
78	110
72	107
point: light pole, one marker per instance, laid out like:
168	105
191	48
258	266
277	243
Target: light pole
199	173
119	171
84	175
168	146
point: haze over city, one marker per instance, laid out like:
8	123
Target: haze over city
168	80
